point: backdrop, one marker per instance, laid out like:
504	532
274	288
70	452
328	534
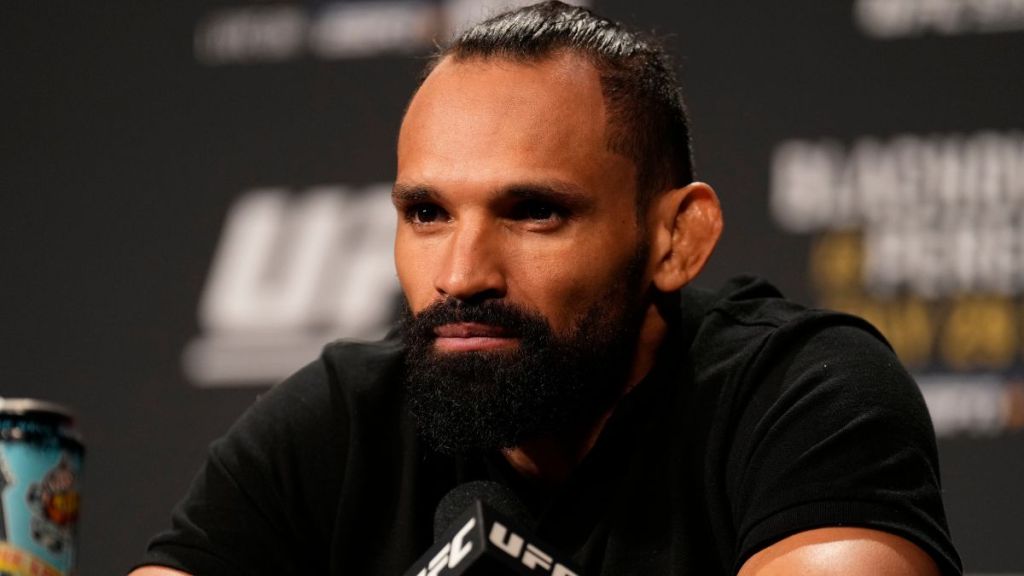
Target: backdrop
194	200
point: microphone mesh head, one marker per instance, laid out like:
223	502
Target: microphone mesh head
491	493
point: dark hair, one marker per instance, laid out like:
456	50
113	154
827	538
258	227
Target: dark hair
647	118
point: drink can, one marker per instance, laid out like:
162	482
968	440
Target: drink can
40	464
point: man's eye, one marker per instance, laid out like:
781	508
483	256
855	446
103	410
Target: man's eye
423	213
540	212
537	211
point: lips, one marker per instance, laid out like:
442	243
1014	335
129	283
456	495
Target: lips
470	330
469	336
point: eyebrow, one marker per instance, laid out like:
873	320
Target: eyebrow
562	193
412	193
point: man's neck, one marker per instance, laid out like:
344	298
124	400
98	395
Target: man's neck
551	459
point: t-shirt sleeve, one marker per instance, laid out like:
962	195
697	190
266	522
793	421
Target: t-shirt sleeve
833	431
252	509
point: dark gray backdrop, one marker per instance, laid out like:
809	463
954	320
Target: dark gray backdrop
127	141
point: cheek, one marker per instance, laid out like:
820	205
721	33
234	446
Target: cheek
415	273
565	283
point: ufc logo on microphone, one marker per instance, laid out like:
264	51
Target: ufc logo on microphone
532	557
452	553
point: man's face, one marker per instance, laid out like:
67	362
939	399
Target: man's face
511	205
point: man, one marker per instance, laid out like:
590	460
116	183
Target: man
548	229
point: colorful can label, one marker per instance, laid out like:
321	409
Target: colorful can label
40	465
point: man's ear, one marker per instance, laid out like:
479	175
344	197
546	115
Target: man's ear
686	223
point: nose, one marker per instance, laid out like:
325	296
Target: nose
472	268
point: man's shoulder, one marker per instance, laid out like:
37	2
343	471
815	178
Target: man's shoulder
748	329
752	302
361	360
347	376
747	314
358	371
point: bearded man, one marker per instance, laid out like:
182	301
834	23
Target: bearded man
549	226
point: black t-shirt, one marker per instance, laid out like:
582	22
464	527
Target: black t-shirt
760	419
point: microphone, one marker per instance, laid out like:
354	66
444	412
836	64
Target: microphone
480	529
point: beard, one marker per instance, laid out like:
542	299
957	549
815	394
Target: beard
546	385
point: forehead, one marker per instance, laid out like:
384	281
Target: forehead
494	118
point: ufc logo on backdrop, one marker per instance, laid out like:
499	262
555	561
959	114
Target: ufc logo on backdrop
290	273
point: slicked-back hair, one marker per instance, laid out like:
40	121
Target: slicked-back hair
646	116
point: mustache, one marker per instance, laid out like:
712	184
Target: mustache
513	319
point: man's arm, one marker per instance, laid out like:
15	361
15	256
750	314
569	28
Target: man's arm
846	551
156	571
